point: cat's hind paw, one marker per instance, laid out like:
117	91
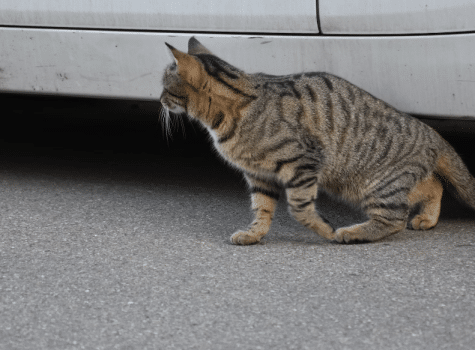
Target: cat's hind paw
349	236
422	222
244	238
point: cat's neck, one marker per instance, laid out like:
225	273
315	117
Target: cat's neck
224	116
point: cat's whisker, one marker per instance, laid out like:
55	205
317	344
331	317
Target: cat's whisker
182	125
171	123
165	121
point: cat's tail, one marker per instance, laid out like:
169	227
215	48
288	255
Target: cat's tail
452	169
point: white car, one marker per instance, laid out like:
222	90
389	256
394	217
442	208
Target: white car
417	55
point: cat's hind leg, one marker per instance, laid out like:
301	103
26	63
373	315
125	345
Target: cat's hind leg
428	195
264	199
302	207
387	208
372	230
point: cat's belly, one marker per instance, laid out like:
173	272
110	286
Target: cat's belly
349	186
262	169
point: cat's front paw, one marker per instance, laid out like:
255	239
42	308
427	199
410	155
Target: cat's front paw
244	238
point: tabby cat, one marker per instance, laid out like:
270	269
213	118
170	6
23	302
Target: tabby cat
308	131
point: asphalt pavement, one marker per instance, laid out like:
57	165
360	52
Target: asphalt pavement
115	237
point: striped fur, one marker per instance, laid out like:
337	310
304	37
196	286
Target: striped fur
307	131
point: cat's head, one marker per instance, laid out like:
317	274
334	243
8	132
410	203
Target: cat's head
195	78
182	78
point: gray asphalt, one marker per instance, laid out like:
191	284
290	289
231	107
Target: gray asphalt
112	239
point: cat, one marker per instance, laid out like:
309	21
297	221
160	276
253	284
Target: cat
311	131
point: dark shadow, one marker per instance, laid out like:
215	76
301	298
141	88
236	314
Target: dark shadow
121	140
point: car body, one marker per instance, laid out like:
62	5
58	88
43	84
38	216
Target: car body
417	55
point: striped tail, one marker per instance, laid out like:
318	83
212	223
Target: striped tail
451	167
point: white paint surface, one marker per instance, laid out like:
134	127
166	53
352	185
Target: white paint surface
396	17
277	16
431	75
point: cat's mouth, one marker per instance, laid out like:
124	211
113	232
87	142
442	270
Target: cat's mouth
175	109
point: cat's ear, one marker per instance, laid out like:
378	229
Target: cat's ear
196	48
175	54
188	67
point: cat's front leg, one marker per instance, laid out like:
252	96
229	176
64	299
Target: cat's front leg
264	201
302	207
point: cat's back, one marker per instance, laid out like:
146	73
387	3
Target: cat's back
331	107
358	132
